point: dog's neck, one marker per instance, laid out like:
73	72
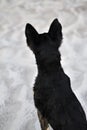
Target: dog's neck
52	65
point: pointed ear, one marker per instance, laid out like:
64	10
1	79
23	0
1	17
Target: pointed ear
30	33
55	30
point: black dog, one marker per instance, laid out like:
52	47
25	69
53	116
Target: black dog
54	99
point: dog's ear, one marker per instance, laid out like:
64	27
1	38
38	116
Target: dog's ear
55	30
31	34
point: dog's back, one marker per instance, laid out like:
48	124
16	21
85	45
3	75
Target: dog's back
57	103
53	95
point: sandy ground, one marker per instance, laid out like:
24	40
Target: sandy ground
17	63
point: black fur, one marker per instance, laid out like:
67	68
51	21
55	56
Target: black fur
53	95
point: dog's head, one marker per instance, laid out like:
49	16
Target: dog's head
44	46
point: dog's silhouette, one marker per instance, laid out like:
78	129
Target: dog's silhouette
54	99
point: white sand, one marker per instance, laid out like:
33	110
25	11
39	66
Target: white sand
17	63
